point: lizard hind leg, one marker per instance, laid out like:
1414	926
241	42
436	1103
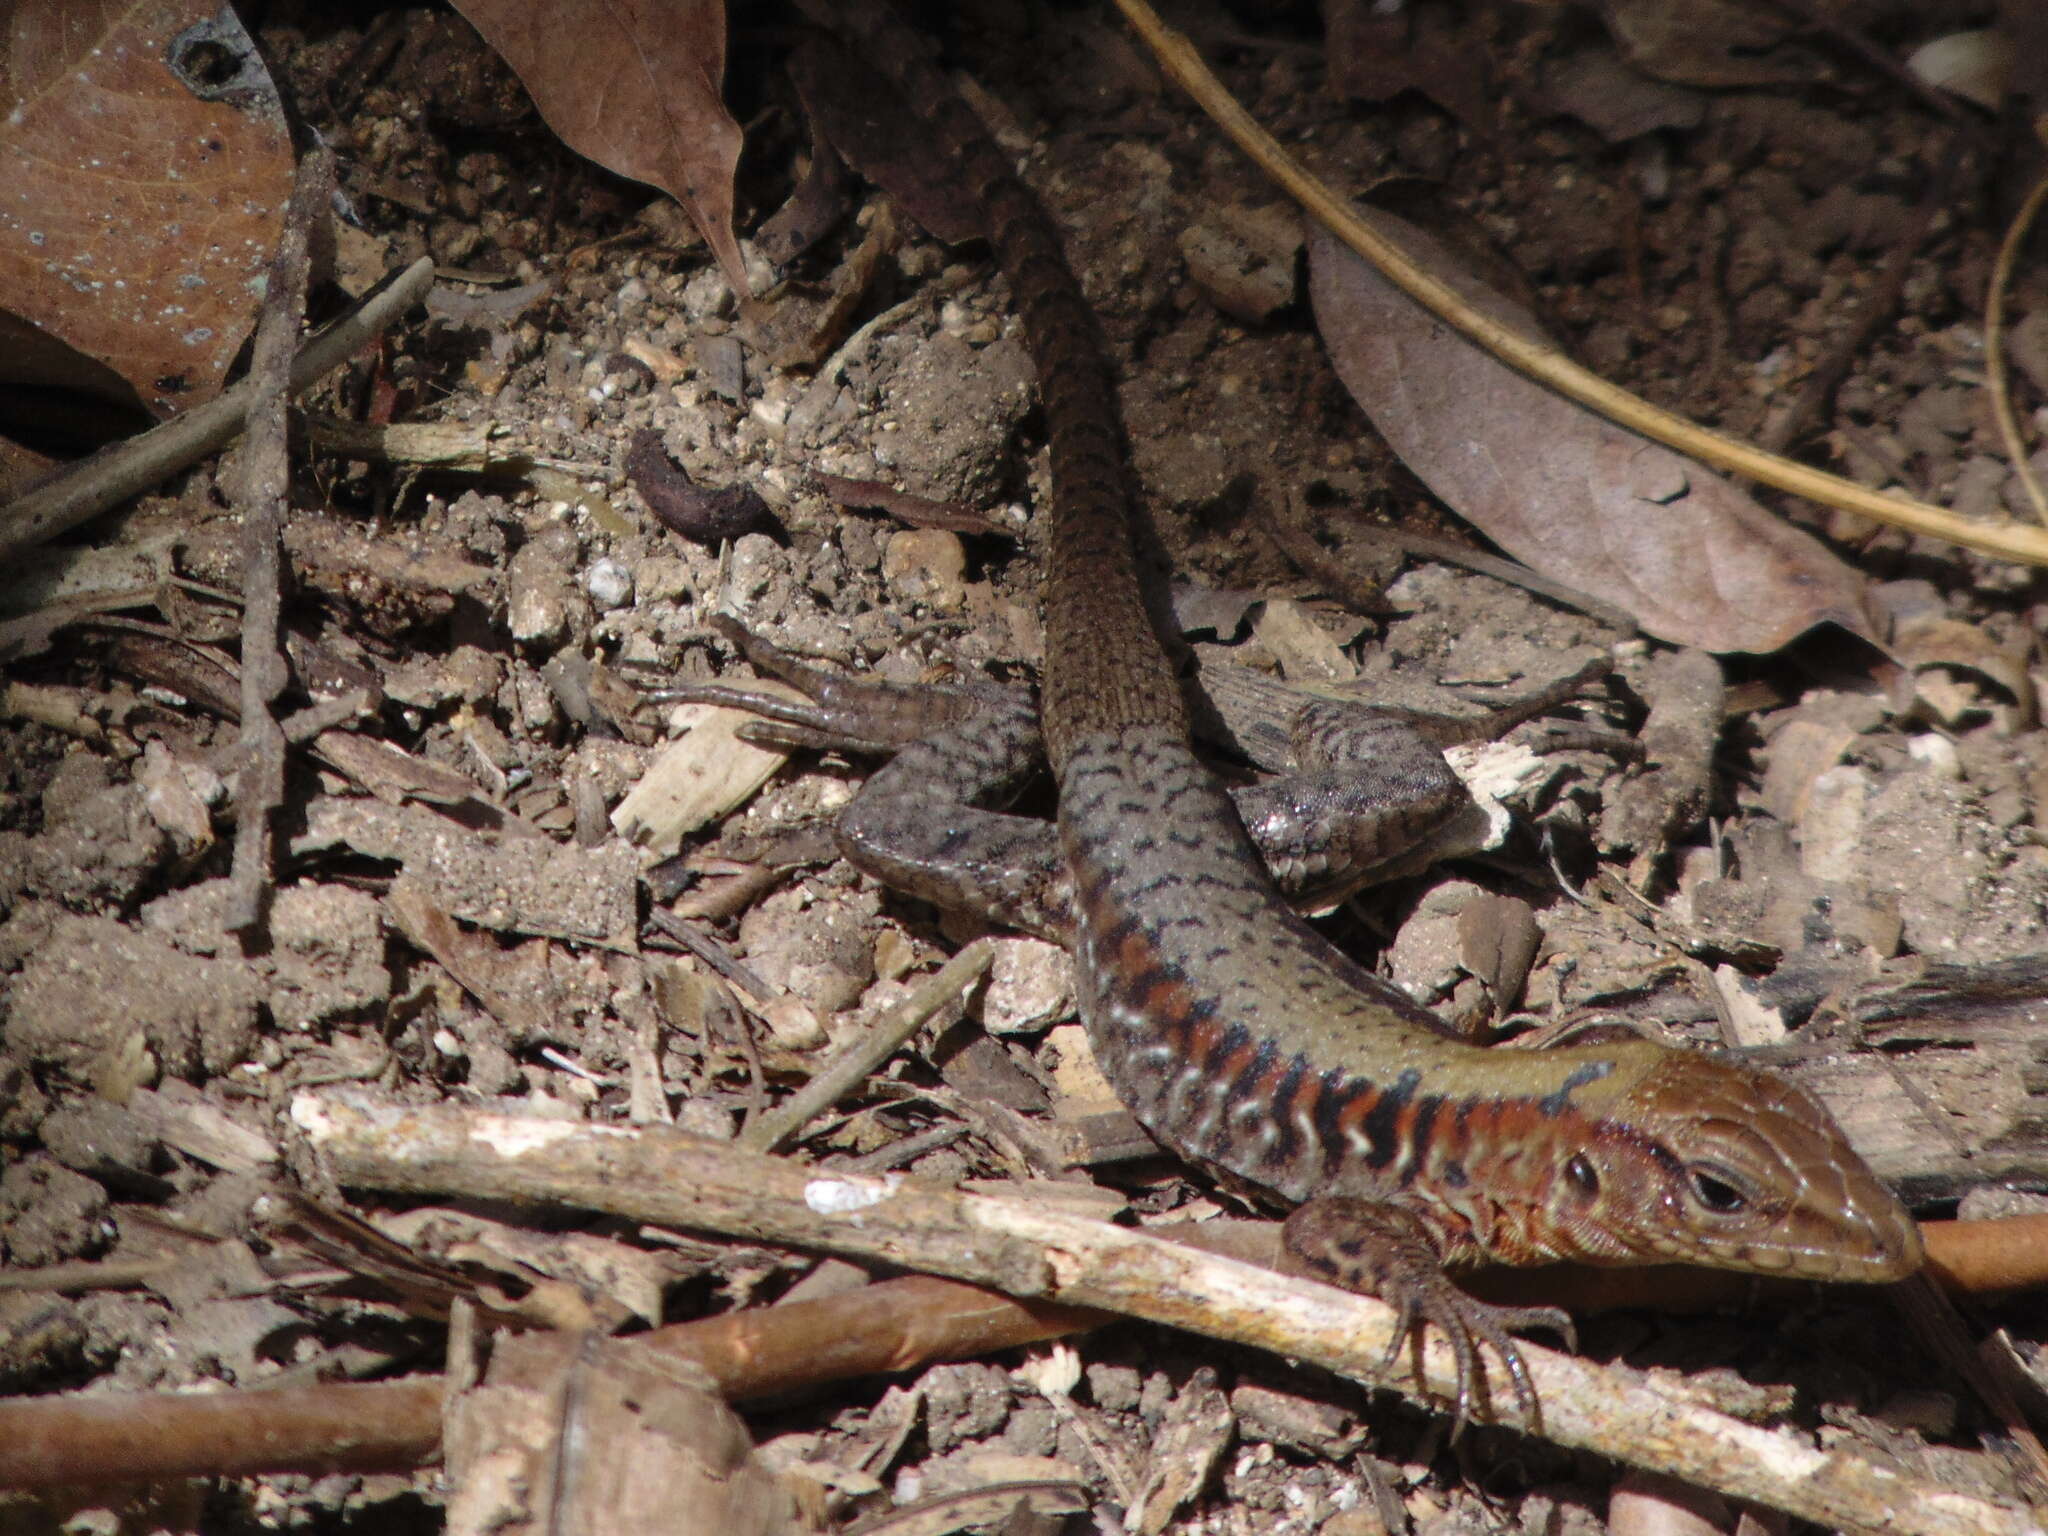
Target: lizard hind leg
927	822
841	712
1386	1251
1362	793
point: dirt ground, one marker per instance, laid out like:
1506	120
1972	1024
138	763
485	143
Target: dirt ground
1840	829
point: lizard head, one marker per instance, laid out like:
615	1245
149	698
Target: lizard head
1731	1167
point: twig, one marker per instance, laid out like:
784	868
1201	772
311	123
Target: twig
1994	346
1932	1315
2009	541
873	1046
113	1437
261	491
483	448
124	469
893	1326
656	1174
396	1426
1297	545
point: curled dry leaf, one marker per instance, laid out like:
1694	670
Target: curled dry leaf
1377	52
1714	43
853	108
1567	492
633	85
1974	65
146	165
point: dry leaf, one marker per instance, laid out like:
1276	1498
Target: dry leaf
1617	102
878	134
144	194
1581	500
1712	42
633	85
1377	52
1974	65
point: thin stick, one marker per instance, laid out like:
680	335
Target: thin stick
1027	1248
2009	541
124	469
897	1325
261	490
395	1426
874	1045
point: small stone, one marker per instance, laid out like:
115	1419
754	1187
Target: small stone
1030	984
609	584
536	596
927	565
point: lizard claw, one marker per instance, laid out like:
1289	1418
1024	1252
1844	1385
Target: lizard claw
1384	1250
1467	1322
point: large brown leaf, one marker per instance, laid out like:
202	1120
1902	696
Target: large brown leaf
1696	561
633	85
144	166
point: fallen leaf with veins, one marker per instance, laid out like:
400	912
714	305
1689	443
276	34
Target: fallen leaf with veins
143	197
635	86
1565	491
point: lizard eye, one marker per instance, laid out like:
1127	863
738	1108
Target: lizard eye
1585	1178
1716	1191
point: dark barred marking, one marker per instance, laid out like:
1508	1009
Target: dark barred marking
1338	1092
1138	989
1091	886
1124	931
1559	1100
1245	1081
1287	1135
1223	1044
1452	1175
1379	1124
1418	1136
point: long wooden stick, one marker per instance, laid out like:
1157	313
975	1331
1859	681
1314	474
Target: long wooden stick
1029	1249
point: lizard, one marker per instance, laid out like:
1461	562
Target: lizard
1240	1037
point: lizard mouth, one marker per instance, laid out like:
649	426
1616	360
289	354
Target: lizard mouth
1886	1247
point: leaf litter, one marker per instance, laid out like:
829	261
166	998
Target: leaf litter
1229	417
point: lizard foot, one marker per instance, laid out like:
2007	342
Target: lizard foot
838	713
1385	1251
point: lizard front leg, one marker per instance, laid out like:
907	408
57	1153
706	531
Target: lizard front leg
1361	793
1389	1251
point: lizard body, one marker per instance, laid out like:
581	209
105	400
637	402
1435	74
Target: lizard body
1234	1031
